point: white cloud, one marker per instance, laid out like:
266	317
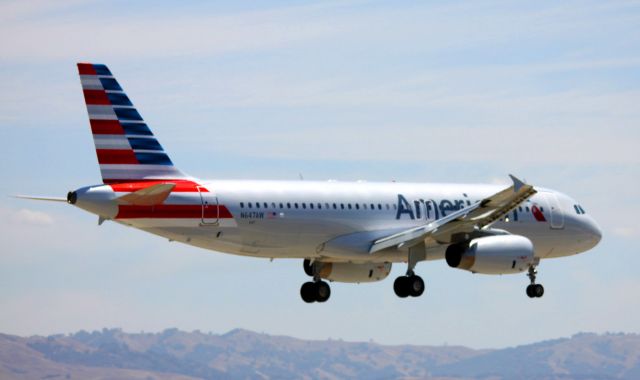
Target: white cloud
58	311
20	9
626	232
27	216
166	32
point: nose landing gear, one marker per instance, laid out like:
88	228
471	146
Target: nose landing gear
534	290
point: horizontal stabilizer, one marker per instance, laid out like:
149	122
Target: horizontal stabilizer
41	198
149	196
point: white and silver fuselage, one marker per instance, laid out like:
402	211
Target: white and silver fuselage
316	220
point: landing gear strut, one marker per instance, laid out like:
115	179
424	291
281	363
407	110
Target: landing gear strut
411	284
316	290
534	290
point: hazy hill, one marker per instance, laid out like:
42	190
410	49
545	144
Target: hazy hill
241	354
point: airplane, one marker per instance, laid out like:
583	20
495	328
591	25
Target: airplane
342	231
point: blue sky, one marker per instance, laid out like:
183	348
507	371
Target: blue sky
444	91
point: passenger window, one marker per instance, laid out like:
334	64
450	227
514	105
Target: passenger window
249	205
326	205
335	206
372	206
288	205
257	204
281	206
541	209
395	206
387	206
273	205
357	206
349	205
342	206
311	206
295	205
379	206
304	205
527	208
241	204
319	206
266	205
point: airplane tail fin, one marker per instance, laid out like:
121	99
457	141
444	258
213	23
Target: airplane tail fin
127	149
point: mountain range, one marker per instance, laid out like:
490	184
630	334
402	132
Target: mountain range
242	354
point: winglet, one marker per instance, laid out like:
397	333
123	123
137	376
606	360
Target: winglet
517	183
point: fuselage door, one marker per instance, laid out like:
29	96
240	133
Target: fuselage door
210	210
557	217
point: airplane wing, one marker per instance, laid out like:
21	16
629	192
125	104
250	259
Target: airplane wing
458	225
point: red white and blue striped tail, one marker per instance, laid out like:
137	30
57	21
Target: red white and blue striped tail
127	149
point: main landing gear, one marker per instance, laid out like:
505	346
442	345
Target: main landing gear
411	284
316	291
534	290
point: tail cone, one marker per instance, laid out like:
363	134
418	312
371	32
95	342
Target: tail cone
72	197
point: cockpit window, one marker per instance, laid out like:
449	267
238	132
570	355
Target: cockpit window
579	209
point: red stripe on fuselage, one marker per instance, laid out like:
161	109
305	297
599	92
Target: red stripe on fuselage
117	181
182	186
173	212
106	127
116	156
98	97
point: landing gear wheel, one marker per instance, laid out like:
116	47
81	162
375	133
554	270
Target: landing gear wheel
534	290
401	286
308	292
405	286
315	292
530	291
323	291
308	267
416	286
538	290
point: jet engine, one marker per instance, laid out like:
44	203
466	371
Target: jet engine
502	254
348	272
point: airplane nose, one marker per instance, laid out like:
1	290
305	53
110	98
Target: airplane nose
592	230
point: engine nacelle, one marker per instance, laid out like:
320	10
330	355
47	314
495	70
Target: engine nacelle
348	272
502	254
